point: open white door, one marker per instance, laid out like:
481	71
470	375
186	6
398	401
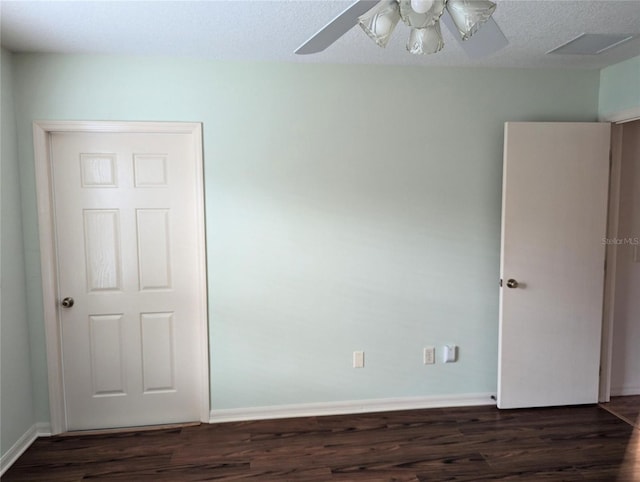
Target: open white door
555	188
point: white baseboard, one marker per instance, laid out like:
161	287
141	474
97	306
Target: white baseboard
624	391
41	429
348	407
44	429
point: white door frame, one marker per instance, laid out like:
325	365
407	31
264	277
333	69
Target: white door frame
42	131
606	350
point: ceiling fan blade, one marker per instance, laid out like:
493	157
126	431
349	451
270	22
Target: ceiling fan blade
336	28
486	41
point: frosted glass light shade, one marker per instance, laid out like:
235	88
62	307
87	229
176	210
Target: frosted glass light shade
379	22
421	20
426	40
469	15
421	6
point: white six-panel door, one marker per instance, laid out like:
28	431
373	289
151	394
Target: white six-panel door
127	238
555	189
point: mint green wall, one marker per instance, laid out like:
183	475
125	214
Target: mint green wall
348	208
619	88
16	408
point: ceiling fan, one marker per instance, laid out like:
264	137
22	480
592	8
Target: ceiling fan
379	18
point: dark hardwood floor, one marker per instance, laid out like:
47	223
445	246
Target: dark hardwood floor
627	408
453	444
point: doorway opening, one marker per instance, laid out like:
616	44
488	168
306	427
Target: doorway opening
620	357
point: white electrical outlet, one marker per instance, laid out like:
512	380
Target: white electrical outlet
358	359
450	353
429	355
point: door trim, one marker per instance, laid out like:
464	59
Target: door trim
42	131
604	390
620	117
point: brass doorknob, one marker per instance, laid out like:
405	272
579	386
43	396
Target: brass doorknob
512	283
67	302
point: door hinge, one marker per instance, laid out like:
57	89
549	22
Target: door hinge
500	282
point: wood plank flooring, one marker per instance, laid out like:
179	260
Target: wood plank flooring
453	444
627	408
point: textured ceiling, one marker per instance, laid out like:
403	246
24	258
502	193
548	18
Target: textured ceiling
259	30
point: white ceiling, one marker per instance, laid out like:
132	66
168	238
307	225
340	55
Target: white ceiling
270	30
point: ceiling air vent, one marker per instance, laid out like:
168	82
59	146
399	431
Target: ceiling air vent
591	43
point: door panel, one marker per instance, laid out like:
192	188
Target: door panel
555	189
127	233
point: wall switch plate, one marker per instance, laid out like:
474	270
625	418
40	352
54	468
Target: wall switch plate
358	359
429	355
450	353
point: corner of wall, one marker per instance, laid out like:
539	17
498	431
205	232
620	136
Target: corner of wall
16	402
619	93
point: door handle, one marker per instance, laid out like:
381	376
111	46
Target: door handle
67	302
511	283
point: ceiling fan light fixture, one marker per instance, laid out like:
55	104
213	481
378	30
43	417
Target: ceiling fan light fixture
423	41
379	19
418	19
379	22
469	15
